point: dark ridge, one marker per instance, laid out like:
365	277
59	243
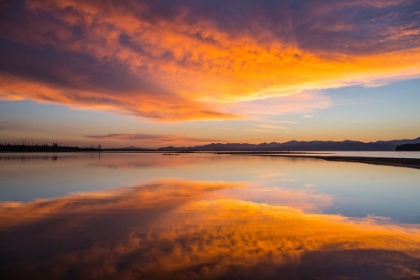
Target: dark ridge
408	147
347	145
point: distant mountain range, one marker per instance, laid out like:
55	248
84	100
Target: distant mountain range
346	145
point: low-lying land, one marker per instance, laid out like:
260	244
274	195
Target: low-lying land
402	162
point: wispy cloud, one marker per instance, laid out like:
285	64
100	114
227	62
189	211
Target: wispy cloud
296	103
271	126
292	122
154	138
258	130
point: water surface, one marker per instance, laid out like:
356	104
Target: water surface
137	215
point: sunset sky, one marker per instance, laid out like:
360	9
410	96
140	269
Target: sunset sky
157	73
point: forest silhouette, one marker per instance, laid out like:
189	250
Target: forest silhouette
8	147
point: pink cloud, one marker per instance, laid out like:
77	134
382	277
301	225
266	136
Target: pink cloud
153	138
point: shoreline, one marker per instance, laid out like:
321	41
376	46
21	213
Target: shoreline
396	162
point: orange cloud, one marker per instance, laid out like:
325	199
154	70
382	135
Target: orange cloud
160	108
167	230
188	60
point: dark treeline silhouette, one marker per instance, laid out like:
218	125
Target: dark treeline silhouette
408	147
7	147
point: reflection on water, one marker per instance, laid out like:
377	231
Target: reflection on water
148	216
186	230
30	158
349	189
46	156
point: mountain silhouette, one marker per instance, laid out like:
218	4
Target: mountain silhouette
347	145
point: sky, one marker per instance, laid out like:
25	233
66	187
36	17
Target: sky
158	73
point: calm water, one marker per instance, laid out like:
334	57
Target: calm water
195	216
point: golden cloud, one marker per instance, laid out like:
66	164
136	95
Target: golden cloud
177	62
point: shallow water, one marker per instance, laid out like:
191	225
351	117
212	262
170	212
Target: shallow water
153	216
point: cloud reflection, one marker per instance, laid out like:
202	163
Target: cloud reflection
306	200
179	230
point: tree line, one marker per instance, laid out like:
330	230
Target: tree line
8	147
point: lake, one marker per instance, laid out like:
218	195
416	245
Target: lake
206	216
